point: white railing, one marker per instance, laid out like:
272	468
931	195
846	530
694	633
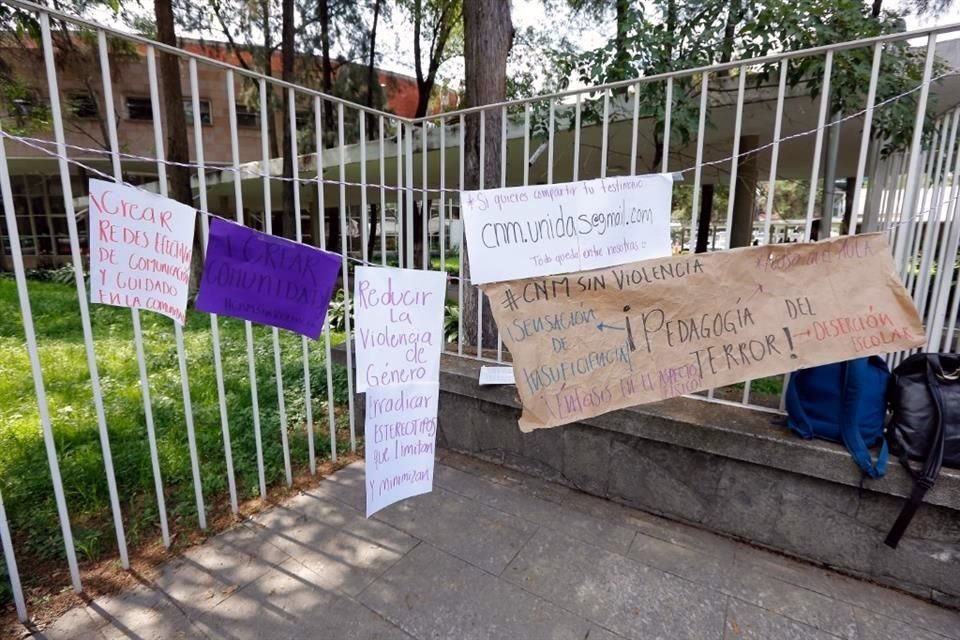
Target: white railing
370	161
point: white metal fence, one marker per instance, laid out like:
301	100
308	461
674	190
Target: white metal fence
373	164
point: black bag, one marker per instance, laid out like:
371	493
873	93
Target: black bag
924	395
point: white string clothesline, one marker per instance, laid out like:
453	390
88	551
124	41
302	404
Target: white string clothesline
40	145
358	261
370	263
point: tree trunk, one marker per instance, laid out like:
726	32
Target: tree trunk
848	213
371	74
372	233
488	36
177	150
875	10
332	214
734	15
424	89
622	56
268	71
703	222
326	75
671	25
288	221
421	216
744	194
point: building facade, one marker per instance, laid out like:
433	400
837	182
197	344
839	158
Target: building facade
35	178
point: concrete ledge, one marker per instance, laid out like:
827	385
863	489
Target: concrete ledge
725	468
733	432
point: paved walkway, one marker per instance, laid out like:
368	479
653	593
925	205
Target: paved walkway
492	554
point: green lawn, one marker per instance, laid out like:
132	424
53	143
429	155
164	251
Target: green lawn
24	474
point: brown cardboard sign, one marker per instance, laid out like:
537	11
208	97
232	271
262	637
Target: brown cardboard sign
587	343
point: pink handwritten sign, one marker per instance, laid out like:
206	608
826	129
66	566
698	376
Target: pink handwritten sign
399	326
400	432
140	249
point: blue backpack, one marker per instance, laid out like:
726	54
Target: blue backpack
843	402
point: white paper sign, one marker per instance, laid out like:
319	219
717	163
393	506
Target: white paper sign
400	431
496	375
540	230
399	332
140	249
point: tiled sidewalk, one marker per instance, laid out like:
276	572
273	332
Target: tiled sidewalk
492	554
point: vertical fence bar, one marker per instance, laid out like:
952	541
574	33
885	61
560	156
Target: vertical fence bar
634	131
604	143
526	146
81	286
247	325
771	189
865	134
266	115
321	208
772	180
698	167
734	167
214	321
461	279
667	116
409	199
11	561
134	313
775	152
16	253
913	170
364	214
818	144
503	183
424	201
298	236
576	143
383	198
401	255
443	195
346	271
735	154
483	185
553	123
177	329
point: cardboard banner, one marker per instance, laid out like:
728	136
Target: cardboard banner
588	343
140	249
399	326
266	279
539	230
400	430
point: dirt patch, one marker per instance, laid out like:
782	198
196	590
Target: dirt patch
50	599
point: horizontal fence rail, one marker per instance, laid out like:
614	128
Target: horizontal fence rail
215	413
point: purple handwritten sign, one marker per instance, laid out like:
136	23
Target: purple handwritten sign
265	279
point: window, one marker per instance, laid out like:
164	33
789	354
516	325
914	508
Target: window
247	118
82	105
139	109
205	117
